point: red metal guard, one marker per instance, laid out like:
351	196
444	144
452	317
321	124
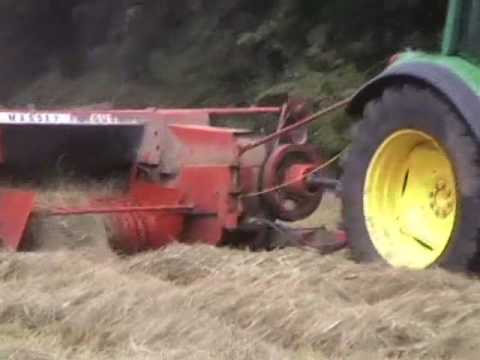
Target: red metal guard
16	207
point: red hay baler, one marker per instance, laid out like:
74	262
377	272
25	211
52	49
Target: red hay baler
188	181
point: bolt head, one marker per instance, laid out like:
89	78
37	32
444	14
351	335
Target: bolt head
441	184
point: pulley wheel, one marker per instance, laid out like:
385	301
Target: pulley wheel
290	203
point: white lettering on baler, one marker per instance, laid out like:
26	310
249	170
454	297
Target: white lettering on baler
35	118
26	118
102	118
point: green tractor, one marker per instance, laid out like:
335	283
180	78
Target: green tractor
411	188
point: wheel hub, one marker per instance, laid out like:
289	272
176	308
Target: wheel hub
442	199
410	200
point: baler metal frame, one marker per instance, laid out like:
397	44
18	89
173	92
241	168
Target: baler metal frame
201	199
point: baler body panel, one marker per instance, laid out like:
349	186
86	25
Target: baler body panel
185	179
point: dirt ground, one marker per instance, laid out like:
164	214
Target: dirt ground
215	303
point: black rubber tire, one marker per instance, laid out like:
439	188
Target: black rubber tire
412	107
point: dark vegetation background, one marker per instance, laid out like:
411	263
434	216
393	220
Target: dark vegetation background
57	53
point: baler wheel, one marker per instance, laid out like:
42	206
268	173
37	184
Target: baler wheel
412	183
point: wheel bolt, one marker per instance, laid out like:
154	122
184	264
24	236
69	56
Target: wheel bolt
440	185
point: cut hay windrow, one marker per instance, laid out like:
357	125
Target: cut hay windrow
208	303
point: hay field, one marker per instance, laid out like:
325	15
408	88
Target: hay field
215	303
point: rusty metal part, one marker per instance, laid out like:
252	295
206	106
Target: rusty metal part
15	209
293	111
279	235
65	211
318	170
131	232
187	180
295	177
317	179
297	125
326	242
151	148
126	233
296	201
123	117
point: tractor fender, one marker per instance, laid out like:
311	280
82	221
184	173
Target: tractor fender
438	78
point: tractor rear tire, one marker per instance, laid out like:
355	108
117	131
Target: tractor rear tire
411	184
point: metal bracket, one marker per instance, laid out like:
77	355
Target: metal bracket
15	209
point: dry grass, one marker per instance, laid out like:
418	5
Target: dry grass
54	233
208	303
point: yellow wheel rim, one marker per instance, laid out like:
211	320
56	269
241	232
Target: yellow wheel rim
410	200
